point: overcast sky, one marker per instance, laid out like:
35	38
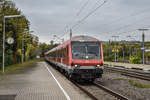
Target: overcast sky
115	17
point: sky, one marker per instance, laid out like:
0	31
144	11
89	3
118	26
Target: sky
120	18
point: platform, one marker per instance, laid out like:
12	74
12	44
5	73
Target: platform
41	82
127	65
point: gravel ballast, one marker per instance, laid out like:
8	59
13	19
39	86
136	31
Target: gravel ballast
122	84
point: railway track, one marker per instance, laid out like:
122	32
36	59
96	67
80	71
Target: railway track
130	72
114	94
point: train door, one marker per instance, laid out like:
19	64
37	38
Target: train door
61	56
67	54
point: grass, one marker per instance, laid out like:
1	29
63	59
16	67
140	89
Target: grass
17	67
138	84
135	84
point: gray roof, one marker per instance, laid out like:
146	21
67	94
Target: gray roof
83	38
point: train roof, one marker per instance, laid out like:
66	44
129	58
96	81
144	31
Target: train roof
80	38
83	38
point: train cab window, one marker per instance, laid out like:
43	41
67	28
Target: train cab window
94	50
85	50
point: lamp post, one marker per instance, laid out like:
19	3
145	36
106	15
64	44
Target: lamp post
23	44
115	37
23	48
133	40
143	45
5	17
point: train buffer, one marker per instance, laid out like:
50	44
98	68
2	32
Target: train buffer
41	82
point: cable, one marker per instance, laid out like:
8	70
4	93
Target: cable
78	13
133	30
84	18
82	8
90	13
131	24
129	16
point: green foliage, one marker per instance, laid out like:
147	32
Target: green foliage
15	28
26	55
109	58
9	58
17	67
139	85
45	47
128	52
135	60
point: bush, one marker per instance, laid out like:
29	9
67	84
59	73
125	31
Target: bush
135	60
9	60
109	58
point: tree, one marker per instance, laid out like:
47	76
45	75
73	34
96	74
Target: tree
15	27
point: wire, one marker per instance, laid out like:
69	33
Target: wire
90	13
131	24
129	16
84	18
82	8
78	13
134	30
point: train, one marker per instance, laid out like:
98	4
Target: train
80	58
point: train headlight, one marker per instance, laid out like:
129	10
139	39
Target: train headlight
86	57
76	65
97	65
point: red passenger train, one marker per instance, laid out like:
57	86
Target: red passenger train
80	58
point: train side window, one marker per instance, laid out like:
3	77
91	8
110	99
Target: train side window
57	53
67	51
61	53
54	53
64	52
49	55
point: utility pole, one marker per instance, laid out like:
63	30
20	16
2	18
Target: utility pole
123	51
70	34
123	54
143	45
4	31
115	37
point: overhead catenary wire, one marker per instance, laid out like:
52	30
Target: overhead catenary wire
89	14
82	8
77	15
131	24
129	16
120	33
132	30
116	21
85	17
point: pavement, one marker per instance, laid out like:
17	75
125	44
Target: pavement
41	82
128	65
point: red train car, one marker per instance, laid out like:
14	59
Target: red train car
80	58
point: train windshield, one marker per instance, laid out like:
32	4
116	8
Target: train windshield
86	50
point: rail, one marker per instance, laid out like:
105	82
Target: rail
130	72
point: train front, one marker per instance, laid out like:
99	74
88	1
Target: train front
87	60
